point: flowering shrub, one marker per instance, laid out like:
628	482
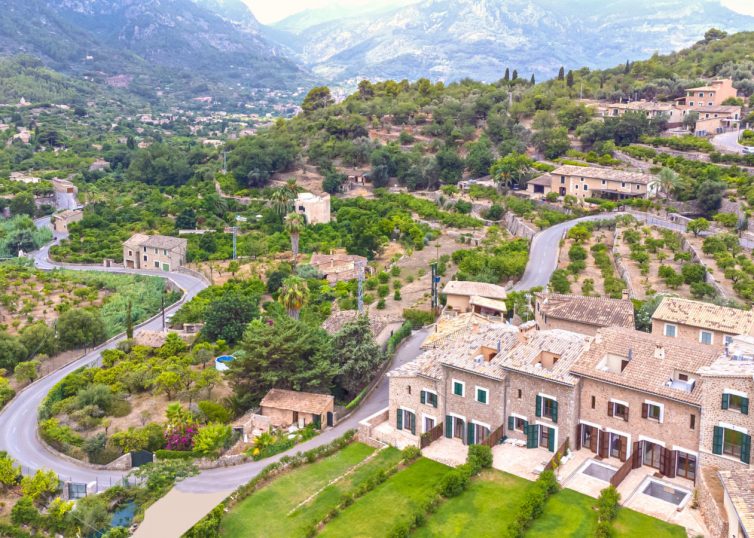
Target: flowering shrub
180	436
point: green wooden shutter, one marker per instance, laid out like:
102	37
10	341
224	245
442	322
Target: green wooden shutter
412	423
538	410
717	440
746	449
399	419
423	397
551	440
511	423
726	400
434	400
554	411
481	396
470	433
448	426
745	406
532	433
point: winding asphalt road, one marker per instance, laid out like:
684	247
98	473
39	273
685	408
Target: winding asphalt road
18	420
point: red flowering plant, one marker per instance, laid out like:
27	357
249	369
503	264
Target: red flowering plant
181	428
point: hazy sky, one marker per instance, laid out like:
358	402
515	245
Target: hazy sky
269	11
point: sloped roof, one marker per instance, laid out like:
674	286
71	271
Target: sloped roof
304	402
136	240
645	371
448	328
545	180
705	315
597	311
165	241
485	302
739	485
482	289
465	355
596	172
567	345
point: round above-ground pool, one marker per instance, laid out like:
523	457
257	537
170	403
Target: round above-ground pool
221	362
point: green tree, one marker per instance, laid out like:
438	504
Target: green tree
11	351
294	224
27	371
293	295
38	338
511	170
285	353
227	317
9	473
318	97
211	439
569	78
668	181
91	513
561	73
130	440
698	226
129	321
710	195
23	204
480	157
80	328
358	355
168	383
690	119
40	486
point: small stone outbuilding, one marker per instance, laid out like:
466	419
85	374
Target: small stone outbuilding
289	407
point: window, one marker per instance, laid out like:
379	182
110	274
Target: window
652	411
519	424
732	442
405	420
683	377
604	182
594	402
544	437
562	180
705	337
576	187
429	423
691	103
130	253
727	339
736	402
586	187
547	407
458	388
482	395
428	397
669	330
164	252
623	184
145	249
145	258
692	421
157	264
617	409
408	389
519	394
686	465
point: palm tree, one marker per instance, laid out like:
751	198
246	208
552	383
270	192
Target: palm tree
294	223
293	295
281	201
668	181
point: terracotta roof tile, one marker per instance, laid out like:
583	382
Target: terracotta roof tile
705	315
740	487
599	311
482	289
304	402
653	362
595	172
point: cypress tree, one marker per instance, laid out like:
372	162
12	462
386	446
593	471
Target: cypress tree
514	76
507	75
532	81
627	69
129	322
569	78
561	73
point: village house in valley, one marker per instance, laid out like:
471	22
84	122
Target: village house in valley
289	407
703	323
582	314
315	209
480	297
594	182
161	252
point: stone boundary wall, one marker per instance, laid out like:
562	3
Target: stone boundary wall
620	264
518	227
713	514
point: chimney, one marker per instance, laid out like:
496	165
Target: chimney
659	352
475	328
624	295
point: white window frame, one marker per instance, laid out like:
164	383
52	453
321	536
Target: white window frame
477	388
662	411
430	391
735	392
592	424
552	427
711	337
728	426
453	388
483	424
652	440
665	330
453	423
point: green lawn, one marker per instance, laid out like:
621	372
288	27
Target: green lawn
484	510
376	513
265	513
630	524
568	513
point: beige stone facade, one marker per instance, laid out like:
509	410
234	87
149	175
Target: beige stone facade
60	221
480	297
315	209
596	182
157	252
713	94
287	407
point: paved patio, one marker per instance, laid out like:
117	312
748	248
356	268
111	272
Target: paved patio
450	452
584	483
519	460
387	434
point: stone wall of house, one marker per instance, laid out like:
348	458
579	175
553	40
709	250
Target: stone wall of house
709	492
405	393
491	413
521	399
675	429
366	427
547	322
689	334
713	414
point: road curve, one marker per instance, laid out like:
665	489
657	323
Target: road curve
18	424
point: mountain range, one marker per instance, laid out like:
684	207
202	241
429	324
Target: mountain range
454	39
190	48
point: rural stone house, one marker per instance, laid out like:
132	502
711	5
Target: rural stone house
339	267
594	182
315	209
640	399
61	221
289	407
480	297
541	395
163	252
702	323
580	314
738	500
